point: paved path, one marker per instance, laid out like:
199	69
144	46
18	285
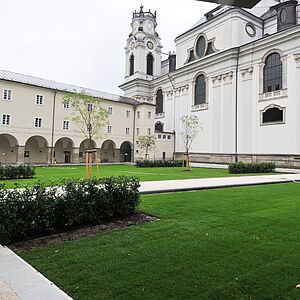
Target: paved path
20	281
154	187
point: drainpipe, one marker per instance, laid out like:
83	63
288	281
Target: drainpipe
53	127
236	103
133	132
174	117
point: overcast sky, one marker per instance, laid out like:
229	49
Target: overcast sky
82	41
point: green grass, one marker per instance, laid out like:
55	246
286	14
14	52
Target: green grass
52	174
235	243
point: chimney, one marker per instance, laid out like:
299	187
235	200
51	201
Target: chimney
172	62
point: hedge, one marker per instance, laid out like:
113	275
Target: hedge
37	211
158	163
243	168
16	172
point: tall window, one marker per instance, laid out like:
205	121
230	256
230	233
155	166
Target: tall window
6	94
127	113
109	129
159	127
200	90
39	100
159	102
150	60
131	65
109	110
38	122
273	73
6	119
66	125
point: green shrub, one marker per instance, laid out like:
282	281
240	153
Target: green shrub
30	212
243	168
16	172
158	163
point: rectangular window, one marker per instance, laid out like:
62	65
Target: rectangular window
137	131
109	110
38	122
138	114
109	129
66	104
149	114
66	125
159	136
149	131
39	100
127	113
6	119
169	137
164	137
127	131
90	107
6	94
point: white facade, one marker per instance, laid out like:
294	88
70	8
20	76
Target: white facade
236	44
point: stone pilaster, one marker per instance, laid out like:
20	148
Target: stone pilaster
75	156
20	154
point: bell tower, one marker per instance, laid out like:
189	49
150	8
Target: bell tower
142	54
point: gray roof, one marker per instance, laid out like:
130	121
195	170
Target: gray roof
53	85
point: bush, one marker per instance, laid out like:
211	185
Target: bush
158	163
16	172
31	212
243	168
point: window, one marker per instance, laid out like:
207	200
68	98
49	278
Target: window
127	131
273	73
159	136
137	131
200	90
39	100
131	65
66	125
109	110
201	46
66	104
38	122
169	137
272	115
159	127
109	129
6	94
138	114
150	60
164	136
90	107
159	102
6	119
127	113
149	114
149	131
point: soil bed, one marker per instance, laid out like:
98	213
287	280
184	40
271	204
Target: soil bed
135	219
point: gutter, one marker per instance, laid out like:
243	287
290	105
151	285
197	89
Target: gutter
53	127
236	105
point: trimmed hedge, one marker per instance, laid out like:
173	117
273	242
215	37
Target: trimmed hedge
16	172
243	168
31	212
158	163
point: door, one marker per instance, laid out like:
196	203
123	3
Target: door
67	157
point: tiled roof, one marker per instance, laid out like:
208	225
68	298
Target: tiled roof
53	85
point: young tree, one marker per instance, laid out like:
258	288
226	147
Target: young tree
87	114
146	143
191	126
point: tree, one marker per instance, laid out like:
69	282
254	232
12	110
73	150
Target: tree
90	118
146	142
191	126
87	114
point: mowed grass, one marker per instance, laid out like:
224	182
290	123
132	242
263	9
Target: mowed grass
235	243
49	175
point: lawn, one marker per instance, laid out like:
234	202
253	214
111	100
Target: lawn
234	243
52	174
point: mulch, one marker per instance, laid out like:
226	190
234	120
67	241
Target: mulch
71	235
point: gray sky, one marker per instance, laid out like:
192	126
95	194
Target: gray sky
82	41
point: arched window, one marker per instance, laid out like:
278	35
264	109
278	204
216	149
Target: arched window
159	127
273	73
131	67
150	60
272	115
159	102
200	90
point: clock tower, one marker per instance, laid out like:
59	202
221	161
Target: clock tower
143	55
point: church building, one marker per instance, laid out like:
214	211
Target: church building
237	70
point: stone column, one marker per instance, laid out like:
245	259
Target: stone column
75	156
20	154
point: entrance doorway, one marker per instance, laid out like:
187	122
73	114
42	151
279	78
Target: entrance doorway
125	152
67	157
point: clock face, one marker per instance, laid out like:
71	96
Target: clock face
150	45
